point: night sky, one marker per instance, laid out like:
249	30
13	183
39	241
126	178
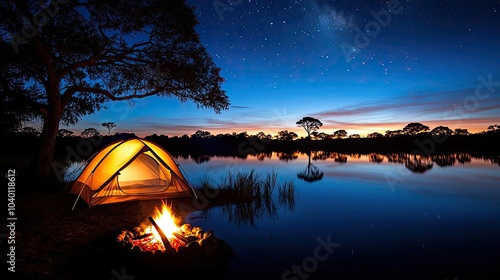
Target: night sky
362	66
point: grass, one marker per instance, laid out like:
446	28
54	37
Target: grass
246	197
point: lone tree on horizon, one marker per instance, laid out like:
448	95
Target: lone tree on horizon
309	124
109	126
65	59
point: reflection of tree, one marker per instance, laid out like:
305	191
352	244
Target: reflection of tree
415	163
340	158
495	160
311	173
464	158
201	159
418	164
262	156
444	160
377	158
287	156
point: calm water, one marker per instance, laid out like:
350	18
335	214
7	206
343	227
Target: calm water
362	217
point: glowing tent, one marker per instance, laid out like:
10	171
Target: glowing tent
129	170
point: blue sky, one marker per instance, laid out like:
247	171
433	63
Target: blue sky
364	67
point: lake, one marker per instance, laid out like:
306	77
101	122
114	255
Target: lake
361	217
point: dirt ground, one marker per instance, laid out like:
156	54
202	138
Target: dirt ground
55	242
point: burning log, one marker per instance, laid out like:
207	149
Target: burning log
143	236
164	239
181	238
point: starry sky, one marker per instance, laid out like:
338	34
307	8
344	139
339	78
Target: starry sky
362	66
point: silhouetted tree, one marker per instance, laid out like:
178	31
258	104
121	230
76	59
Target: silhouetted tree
339	134
201	134
286	135
393	133
460	131
321	135
354	136
262	135
494	127
65	133
90	132
109	126
442	130
414	128
91	52
30	130
309	124
374	135
14	110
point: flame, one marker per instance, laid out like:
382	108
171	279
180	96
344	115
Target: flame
166	220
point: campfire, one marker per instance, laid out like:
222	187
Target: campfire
166	236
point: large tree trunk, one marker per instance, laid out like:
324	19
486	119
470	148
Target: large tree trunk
52	117
47	147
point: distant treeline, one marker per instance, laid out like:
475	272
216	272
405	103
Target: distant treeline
242	145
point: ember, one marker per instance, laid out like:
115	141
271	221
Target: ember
165	236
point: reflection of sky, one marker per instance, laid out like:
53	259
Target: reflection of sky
283	61
441	218
456	180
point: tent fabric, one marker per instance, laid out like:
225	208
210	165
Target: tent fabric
130	170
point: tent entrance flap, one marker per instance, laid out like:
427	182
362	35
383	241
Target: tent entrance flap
138	170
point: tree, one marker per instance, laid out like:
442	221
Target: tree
414	128
109	126
494	127
393	133
90	132
286	135
30	130
320	136
13	110
374	135
261	135
442	130
461	131
309	124
354	136
64	133
201	134
89	52
339	134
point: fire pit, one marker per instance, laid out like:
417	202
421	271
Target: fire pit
165	236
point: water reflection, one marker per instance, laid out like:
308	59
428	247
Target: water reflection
311	173
287	156
246	198
325	155
377	158
415	163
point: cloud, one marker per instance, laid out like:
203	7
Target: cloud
239	107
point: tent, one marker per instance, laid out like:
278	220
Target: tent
130	170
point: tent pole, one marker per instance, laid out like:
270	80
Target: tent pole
81	190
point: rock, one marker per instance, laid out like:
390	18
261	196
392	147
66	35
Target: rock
186	228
